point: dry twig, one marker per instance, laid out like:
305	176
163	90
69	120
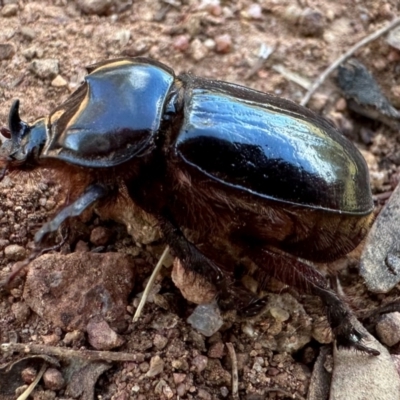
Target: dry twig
345	56
150	284
235	376
292	76
64	353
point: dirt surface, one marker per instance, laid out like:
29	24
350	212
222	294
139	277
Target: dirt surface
44	48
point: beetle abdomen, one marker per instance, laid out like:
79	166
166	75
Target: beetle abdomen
275	152
236	216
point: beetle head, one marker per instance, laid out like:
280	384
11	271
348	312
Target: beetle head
23	142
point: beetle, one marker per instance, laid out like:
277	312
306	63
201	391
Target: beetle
271	179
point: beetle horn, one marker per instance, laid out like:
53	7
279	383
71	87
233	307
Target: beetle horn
16	125
14	121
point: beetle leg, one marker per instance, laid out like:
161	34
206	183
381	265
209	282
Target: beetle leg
370	318
190	256
92	194
306	278
253	307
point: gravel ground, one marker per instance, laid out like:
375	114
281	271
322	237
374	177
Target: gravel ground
44	48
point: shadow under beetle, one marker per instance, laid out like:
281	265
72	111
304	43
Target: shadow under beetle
271	179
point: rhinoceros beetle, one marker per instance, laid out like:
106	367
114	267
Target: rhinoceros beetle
271	179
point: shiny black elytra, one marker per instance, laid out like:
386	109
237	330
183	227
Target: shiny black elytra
267	178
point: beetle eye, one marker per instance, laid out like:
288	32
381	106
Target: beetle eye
5	132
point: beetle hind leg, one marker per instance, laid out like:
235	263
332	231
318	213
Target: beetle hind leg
340	320
307	279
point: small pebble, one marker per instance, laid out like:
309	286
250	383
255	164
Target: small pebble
279	314
88	31
258	364
158	389
45	69
9	10
200	362
50	204
292	14
7	51
254	11
59	81
51	340
380	64
194	287
44	395
395	89
178	378
21	311
14	252
180	365
393	38
82	246
394	56
203	394
210	44
273	371
138	48
181	390
28	33
100	236
28	375
32	52
223	43
98	7
160	341
101	336
53	379
224	391
167	391
16	292
341	104
216	350
213	7
206	318
388	328
198	50
318	102
42	201
156	366
144	366
181	43
72	336
123	36
311	23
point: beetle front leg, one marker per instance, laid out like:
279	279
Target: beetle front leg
190	256
92	194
